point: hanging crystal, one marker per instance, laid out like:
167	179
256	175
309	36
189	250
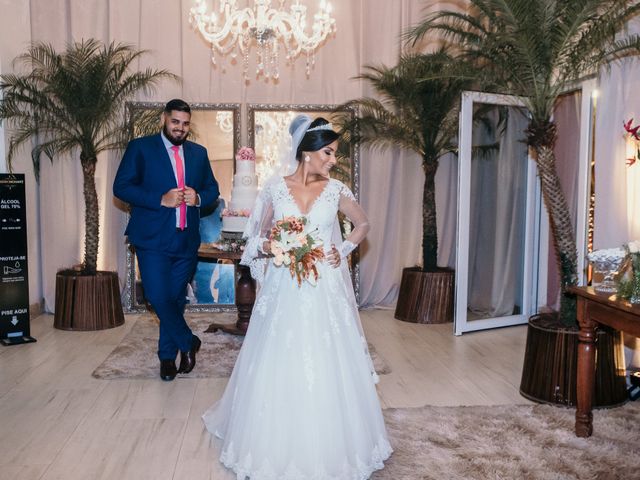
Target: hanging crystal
234	30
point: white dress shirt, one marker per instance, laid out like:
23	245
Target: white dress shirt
169	146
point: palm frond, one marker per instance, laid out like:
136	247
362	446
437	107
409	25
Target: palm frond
77	96
535	48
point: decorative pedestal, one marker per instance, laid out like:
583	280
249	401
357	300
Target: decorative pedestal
87	302
426	297
245	291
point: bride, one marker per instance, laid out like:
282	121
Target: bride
301	402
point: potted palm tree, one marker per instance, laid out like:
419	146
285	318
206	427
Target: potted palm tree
73	102
538	49
421	116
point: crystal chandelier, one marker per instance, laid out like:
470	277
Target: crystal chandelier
234	30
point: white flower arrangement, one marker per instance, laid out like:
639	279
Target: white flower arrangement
608	255
608	262
634	247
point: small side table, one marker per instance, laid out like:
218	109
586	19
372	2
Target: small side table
245	290
593	309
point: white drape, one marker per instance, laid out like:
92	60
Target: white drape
368	33
496	232
617	187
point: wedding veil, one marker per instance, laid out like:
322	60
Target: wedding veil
257	228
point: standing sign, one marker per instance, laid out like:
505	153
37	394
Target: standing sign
14	282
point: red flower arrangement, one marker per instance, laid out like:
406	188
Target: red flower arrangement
632	133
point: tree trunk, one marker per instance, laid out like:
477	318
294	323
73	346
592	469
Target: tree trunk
91	214
561	229
429	225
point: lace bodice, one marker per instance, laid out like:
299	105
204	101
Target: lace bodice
275	202
323	210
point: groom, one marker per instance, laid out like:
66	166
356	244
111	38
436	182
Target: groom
166	179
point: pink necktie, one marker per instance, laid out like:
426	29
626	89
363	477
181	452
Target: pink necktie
180	175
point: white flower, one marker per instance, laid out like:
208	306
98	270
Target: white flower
634	247
278	259
289	241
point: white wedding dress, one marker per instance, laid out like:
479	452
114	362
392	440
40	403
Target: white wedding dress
301	402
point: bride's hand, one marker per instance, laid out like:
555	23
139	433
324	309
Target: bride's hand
266	247
333	257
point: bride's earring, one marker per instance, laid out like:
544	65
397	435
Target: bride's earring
307	158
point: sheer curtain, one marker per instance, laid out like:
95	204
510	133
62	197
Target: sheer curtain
617	187
368	33
496	233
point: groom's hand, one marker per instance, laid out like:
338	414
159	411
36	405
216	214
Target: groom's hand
190	197
173	198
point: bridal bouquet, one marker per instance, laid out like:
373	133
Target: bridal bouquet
295	247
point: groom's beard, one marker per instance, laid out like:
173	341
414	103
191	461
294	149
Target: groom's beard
178	138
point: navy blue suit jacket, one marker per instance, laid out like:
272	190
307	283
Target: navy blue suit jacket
144	175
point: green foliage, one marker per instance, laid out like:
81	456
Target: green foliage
535	48
74	99
538	49
417	109
73	102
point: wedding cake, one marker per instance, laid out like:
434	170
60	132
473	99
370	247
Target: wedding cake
243	192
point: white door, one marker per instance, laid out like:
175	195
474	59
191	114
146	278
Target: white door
498	215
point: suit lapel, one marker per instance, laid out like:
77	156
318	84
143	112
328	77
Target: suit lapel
188	164
165	160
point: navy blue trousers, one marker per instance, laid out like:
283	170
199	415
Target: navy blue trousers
164	279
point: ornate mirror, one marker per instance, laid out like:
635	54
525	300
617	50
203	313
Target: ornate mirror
268	130
217	128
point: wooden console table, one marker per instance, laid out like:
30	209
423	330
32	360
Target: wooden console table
593	309
245	290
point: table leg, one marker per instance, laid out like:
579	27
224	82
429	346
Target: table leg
245	298
586	371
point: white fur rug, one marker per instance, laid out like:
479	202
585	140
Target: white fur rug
511	442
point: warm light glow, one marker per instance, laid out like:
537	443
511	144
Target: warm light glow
224	120
270	29
272	139
631	149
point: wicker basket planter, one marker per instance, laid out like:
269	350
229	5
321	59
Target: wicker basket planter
426	297
87	302
551	359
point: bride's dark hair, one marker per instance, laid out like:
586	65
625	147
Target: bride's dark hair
316	139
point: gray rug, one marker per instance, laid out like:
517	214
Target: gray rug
135	356
510	442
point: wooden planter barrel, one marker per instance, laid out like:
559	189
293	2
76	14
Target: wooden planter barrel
426	297
87	302
550	364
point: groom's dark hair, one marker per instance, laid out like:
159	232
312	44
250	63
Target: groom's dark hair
177	104
316	139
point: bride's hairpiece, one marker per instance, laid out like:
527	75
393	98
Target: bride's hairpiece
326	126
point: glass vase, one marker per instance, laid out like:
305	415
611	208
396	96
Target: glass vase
609	268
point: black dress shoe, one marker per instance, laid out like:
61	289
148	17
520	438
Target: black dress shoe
168	370
188	359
